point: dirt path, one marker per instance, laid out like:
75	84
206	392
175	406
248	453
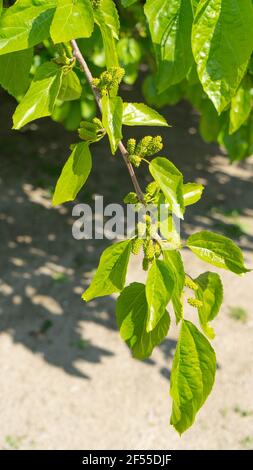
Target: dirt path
66	379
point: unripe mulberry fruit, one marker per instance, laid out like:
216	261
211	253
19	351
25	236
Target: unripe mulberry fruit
136	245
135	160
190	283
145	264
149	250
131	144
195	303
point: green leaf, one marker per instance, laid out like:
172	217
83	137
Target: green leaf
192	376
210	122
129	53
170	23
217	250
174	262
74	174
14	71
222	44
73	19
106	17
109	12
171	95
128	3
71	87
25	24
132	314
112	111
40	99
241	105
210	293
139	114
192	193
159	289
111	273
170	180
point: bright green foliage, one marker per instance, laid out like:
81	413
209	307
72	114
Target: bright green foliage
139	114
106	17
40	99
217	250
74	174
170	24
192	193
202	52
112	110
72	19
192	376
210	293
241	105
25	24
128	3
174	261
170	180
13	65
222	44
130	54
111	273
132	314
159	289
71	88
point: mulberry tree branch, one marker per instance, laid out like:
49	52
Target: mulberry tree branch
79	57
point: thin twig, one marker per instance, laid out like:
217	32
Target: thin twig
78	55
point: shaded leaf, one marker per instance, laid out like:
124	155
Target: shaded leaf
222	44
241	105
71	87
14	71
132	314
210	293
170	23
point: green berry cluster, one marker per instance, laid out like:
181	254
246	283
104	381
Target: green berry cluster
152	250
91	131
95	4
144	239
190	283
109	81
137	245
147	147
152	193
195	302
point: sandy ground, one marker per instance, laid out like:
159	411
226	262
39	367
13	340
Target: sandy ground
67	381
